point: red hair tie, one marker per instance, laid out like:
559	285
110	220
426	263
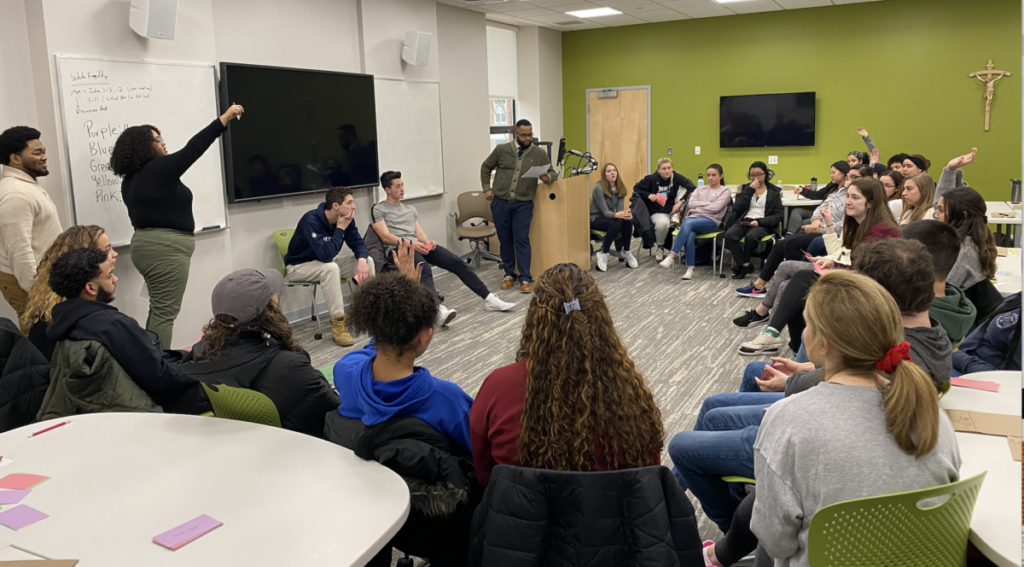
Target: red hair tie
891	360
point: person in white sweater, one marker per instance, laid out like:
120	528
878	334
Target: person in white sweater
855	435
28	218
706	208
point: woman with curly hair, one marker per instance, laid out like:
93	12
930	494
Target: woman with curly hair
160	208
41	298
573	400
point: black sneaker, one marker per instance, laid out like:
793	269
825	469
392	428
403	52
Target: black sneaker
749	318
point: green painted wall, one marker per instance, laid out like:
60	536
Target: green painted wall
897	68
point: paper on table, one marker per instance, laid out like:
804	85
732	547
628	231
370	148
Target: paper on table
985	423
986	385
180	535
535	171
1003	215
12	496
21	516
1000	251
1014	447
21	481
41	563
4	461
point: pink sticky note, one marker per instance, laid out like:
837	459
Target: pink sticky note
12	496
975	384
21	481
21	516
180	535
662	199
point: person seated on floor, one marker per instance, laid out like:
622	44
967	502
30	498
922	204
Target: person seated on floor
85	278
41	298
608	214
394	220
867	219
563	405
995	343
662	193
249	344
723	436
706	209
837	178
918	193
951	307
873	427
758	210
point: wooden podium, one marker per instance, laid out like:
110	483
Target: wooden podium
560	230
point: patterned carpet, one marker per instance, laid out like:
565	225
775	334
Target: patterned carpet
679	333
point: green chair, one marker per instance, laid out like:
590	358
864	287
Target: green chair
894	530
328	372
242	405
281	239
739	479
713	236
764	239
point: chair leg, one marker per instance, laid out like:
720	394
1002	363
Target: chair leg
316	316
721	259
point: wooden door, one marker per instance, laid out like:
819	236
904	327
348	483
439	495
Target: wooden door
618	129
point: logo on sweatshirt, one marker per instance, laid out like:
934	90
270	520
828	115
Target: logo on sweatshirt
314	235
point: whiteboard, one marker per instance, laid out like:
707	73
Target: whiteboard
101	98
409	135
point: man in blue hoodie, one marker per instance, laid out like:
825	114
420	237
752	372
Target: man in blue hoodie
313	254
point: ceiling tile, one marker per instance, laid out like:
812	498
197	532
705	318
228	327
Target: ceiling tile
852	1
552	3
709	13
578	6
622	20
553	18
618	4
508	7
535	12
795	4
754	7
680	4
660	16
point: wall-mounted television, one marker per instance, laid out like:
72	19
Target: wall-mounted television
758	121
302	132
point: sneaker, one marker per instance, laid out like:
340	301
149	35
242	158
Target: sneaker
492	303
765	343
445	316
688	275
749	318
508	282
710	561
631	260
602	261
668	261
659	254
751	291
676	220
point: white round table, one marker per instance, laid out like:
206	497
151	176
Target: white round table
119	479
995	525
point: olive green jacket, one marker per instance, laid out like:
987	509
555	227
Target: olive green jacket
508	184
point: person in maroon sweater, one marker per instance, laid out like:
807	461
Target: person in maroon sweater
573	400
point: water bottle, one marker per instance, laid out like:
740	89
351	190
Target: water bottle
700	180
814	184
1015	192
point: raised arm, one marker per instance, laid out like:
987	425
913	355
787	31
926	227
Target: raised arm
952	177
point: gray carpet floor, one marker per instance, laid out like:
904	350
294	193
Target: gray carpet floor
679	333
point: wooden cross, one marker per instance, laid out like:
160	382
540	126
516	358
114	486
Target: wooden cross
990	89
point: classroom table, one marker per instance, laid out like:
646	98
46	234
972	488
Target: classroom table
790	199
1008	272
119	479
1010	223
995	526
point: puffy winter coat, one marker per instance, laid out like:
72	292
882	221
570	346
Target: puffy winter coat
24	377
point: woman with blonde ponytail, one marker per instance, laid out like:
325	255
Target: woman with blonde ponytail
857	434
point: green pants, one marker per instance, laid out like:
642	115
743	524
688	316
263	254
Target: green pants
163	257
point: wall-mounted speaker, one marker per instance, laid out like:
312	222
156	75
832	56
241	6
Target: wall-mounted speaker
155	19
416	48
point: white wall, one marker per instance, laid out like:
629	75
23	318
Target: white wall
317	34
539	81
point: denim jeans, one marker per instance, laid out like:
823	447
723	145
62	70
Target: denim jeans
734	410
817	247
801	355
688	231
702	458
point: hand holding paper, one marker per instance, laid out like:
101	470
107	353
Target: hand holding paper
535	172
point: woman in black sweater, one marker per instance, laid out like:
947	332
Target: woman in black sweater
160	208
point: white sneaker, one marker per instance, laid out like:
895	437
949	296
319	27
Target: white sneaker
631	260
602	262
677	220
668	261
688	275
659	254
765	343
445	316
492	303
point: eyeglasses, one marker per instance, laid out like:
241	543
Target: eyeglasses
158	140
753	175
524	135
888	186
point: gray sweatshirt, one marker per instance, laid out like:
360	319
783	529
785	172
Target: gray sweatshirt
948	181
837	203
601	206
967	269
830	445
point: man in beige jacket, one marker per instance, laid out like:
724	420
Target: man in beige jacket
28	218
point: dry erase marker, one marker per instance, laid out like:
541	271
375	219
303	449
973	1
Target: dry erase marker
239	117
51	428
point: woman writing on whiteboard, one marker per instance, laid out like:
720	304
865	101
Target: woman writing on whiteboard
160	208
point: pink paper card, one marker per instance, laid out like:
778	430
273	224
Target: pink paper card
12	496
662	199
21	516
177	537
975	384
21	481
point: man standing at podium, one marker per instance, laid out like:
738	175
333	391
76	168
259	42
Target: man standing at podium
511	196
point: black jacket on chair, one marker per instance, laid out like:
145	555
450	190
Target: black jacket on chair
24	378
629	518
773	209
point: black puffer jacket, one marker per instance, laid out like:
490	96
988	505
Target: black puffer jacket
629	518
24	378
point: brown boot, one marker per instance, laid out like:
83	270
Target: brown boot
508	282
525	287
340	332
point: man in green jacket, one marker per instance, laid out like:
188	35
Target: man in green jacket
511	198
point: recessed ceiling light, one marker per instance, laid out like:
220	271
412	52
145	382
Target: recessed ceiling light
595	13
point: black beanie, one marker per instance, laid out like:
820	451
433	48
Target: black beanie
842	166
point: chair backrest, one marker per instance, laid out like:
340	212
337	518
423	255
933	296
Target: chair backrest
892	530
242	404
472	204
282	238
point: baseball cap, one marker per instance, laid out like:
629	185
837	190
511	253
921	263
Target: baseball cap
244	294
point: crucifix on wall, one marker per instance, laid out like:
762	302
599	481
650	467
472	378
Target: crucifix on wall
990	89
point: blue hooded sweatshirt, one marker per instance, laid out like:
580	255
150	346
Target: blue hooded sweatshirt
439	403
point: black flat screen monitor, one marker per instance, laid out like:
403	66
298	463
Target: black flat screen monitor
758	121
302	132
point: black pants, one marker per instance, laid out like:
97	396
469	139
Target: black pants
739	541
741	253
512	223
444	259
789	311
614	229
789	248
